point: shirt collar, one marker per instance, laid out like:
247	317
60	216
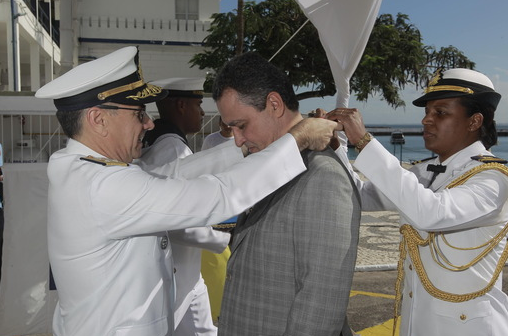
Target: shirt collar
463	157
76	147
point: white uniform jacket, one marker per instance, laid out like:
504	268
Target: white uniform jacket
187	243
469	214
166	148
109	263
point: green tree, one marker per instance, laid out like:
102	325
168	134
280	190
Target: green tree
393	58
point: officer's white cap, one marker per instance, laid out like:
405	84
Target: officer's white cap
115	77
182	87
460	82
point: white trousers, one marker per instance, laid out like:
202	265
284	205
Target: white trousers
197	320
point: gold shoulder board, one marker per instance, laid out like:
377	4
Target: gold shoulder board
423	160
488	158
104	161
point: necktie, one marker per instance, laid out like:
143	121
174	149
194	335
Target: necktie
436	169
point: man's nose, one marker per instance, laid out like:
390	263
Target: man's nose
148	124
427	119
239	139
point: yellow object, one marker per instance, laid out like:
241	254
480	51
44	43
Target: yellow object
384	329
213	270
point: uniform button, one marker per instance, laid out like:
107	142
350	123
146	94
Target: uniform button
164	242
463	317
228	276
410	267
410	294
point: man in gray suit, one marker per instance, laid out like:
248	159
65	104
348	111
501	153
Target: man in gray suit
293	254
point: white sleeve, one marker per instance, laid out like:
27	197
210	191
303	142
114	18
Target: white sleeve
210	161
372	199
203	237
128	201
475	203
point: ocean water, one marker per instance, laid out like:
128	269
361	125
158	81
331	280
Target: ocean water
414	148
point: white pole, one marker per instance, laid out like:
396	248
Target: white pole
15	47
296	32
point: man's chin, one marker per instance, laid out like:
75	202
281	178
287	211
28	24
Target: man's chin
136	154
429	146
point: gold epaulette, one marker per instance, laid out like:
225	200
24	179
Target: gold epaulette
104	161
488	159
423	160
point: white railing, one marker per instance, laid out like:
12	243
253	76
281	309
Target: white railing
33	138
30	132
210	125
190	31
30	138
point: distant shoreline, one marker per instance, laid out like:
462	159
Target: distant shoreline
415	130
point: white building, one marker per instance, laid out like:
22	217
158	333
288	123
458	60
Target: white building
34	50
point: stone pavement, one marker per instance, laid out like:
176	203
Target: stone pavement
378	247
370	309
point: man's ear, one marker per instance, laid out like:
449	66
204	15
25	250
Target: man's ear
97	121
275	104
181	105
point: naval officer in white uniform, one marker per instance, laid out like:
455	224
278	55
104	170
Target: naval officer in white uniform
181	114
453	208
107	218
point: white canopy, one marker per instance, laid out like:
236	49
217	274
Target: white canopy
344	28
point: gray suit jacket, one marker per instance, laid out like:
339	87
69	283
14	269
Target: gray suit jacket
293	256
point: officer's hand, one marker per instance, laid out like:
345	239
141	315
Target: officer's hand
314	133
320	113
317	113
352	121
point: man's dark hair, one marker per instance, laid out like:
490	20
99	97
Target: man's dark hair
488	131
71	122
254	78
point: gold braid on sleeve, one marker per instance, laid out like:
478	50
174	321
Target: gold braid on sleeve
411	242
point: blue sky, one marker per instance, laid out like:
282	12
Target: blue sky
479	28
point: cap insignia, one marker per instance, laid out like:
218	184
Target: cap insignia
140	72
436	77
150	90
